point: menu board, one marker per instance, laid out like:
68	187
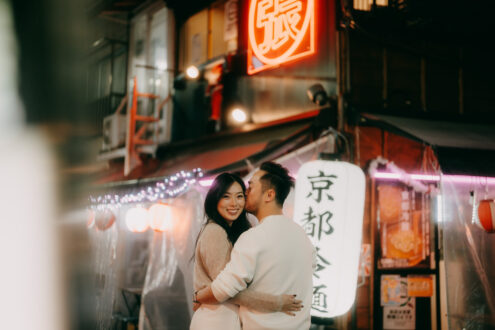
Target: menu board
403	217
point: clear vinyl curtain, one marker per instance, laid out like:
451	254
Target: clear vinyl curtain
166	301
104	256
469	255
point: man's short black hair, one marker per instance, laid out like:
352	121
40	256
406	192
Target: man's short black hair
278	178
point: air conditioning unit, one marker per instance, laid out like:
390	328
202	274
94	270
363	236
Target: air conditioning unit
164	125
114	131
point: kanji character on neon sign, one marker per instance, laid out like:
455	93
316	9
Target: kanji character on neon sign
279	31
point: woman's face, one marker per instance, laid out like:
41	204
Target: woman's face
231	203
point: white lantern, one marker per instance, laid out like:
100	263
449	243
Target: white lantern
137	220
329	205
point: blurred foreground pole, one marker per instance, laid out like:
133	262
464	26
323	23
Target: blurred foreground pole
44	263
31	279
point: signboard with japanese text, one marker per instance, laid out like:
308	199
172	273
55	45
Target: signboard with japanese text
404	219
329	205
400	317
279	32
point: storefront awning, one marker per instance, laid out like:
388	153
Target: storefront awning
461	148
230	152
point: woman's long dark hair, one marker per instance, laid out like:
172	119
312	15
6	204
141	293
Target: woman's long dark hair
219	187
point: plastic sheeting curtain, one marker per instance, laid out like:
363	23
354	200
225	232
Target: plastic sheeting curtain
469	255
104	255
166	301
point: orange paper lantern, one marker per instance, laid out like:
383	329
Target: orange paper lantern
104	219
486	215
160	217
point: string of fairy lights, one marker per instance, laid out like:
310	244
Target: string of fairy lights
169	187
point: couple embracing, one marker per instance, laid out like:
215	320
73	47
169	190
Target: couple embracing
252	278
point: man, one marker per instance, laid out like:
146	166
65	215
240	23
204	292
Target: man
274	257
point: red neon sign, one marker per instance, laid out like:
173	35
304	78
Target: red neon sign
279	31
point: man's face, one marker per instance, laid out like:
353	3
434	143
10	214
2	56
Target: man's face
254	192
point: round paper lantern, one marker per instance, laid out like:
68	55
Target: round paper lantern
91	219
160	217
486	215
136	219
104	219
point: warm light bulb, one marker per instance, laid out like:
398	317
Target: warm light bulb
136	219
192	72
239	115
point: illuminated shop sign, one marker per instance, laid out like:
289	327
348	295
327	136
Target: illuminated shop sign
279	31
329	205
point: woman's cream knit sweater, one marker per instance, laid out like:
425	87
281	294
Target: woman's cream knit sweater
212	254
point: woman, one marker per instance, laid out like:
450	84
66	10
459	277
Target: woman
226	221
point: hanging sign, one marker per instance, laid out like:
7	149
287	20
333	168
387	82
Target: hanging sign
279	32
329	205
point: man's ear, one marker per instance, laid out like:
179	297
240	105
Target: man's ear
270	195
